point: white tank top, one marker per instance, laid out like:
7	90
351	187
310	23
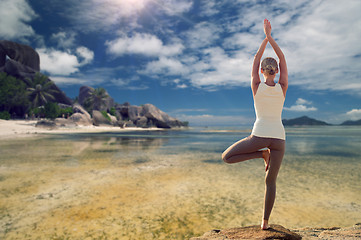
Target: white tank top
268	104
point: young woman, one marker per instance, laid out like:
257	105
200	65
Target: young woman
268	131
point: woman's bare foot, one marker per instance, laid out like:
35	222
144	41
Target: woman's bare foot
266	154
265	225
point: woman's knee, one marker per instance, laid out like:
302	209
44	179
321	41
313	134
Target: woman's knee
225	157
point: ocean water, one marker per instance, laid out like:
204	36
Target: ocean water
172	184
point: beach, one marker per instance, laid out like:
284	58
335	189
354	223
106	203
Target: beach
26	128
102	183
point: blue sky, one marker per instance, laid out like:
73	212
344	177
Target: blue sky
192	59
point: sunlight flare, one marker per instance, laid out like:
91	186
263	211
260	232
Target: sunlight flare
129	5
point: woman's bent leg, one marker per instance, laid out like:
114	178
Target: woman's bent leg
277	148
245	149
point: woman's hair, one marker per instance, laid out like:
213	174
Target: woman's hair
269	66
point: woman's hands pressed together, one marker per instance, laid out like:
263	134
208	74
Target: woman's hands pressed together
267	27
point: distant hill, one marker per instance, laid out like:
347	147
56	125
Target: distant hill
351	123
303	121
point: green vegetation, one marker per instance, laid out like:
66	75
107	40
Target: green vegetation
37	112
40	90
66	111
32	97
96	99
5	115
105	114
13	97
51	110
112	111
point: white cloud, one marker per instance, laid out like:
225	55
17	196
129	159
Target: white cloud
120	82
64	40
63	63
222	69
57	62
213	68
90	76
86	55
179	84
300	108
301	101
100	15
319	45
15	16
189	110
247	42
301	105
208	8
354	114
174	7
203	34
166	66
182	86
142	43
127	83
59	80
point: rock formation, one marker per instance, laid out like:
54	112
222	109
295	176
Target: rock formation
23	54
159	118
66	122
99	119
147	115
46	124
251	232
24	63
81	116
128	112
85	93
334	233
279	232
128	115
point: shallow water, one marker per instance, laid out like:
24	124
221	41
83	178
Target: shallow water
172	184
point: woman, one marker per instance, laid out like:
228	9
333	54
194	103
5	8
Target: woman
268	131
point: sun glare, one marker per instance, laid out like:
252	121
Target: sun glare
135	4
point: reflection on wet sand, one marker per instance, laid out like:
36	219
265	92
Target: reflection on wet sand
159	187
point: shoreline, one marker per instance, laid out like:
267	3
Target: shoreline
10	129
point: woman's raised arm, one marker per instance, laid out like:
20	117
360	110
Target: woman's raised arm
255	79
283	81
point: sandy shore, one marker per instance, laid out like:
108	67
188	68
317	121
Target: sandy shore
25	128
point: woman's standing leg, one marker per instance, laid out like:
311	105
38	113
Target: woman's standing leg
245	149
277	148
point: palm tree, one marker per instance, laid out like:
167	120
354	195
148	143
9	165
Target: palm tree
41	90
96	99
